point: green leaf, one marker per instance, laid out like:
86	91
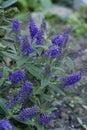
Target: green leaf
22	60
84	126
8	3
84	106
26	122
5	74
69	62
9	55
58	71
3	106
79	120
39	126
55	88
34	70
47	97
50	110
45	81
15	128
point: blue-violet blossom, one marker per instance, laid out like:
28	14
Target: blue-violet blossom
26	46
16	26
28	112
45	119
24	92
17	76
71	79
32	28
54	51
5	125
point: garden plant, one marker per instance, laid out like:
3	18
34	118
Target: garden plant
32	74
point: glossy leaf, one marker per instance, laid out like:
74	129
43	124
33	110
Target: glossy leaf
34	70
8	3
3	105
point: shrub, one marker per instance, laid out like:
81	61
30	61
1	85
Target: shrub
32	76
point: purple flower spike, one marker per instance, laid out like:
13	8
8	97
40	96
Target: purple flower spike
16	26
28	112
24	92
32	28
45	119
40	34
11	101
5	125
54	51
0	75
61	39
26	46
17	76
71	79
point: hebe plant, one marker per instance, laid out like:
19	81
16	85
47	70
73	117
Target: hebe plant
32	76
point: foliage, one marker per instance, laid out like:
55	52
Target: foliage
32	74
79	25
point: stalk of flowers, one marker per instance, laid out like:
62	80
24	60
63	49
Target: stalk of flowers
54	51
10	102
26	113
16	26
20	98
71	79
40	34
44	119
5	125
16	76
26	46
33	29
0	75
61	39
24	92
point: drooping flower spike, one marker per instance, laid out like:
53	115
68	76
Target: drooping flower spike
16	26
40	34
26	46
28	112
33	29
19	98
16	76
71	79
5	125
45	119
61	39
54	51
24	92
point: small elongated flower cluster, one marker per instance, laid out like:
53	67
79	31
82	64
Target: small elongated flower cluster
57	113
11	101
32	28
26	46
17	76
16	26
24	92
28	112
0	75
71	79
54	51
20	97
60	39
5	125
45	119
40	34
